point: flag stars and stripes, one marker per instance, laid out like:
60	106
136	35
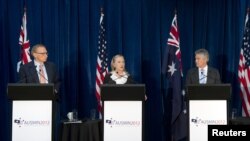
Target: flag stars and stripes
244	70
102	63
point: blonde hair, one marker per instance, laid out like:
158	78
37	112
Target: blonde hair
113	61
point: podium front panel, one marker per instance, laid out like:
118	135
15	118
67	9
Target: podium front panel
123	120
32	120
127	92
207	105
123	112
31	91
203	113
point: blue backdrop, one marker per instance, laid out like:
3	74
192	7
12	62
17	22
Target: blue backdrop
138	29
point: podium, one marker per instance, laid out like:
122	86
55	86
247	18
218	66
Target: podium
123	112
207	105
32	111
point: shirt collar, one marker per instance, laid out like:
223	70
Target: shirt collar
37	63
122	79
204	69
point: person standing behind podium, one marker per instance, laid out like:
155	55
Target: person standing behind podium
118	75
202	74
39	70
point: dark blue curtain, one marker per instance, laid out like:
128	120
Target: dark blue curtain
138	29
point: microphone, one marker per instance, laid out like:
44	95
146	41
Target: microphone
31	77
41	75
129	79
39	72
120	76
203	76
115	76
26	78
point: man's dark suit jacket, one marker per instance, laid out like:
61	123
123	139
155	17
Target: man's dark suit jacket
213	76
29	74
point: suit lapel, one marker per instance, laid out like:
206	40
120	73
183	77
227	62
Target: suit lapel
48	70
33	72
196	76
209	74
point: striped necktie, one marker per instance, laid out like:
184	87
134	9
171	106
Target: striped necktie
202	77
41	74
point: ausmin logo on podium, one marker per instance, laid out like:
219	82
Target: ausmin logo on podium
20	122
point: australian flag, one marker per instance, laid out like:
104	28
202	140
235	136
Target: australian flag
172	68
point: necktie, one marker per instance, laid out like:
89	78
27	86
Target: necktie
41	74
202	77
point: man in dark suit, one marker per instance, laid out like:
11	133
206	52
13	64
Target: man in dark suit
39	70
202	74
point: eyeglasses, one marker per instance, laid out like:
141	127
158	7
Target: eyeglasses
42	53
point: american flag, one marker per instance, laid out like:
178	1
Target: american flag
24	43
172	66
102	62
244	70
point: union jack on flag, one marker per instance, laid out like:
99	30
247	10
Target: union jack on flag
244	70
102	62
172	66
24	43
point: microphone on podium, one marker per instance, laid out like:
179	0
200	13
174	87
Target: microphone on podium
120	76
203	76
132	81
41	75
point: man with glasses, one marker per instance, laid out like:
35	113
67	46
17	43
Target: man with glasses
39	70
202	74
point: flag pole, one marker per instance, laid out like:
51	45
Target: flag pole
102	67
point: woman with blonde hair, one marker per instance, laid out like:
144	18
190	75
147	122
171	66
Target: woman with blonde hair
118	75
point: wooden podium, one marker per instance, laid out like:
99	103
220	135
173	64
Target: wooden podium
123	112
207	105
33	112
